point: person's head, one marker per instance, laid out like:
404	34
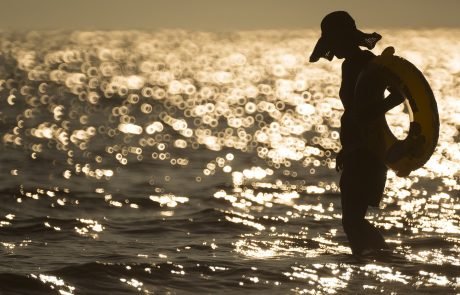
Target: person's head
340	37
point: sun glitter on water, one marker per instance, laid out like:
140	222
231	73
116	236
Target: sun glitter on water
90	105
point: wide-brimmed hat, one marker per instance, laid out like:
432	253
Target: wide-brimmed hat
340	25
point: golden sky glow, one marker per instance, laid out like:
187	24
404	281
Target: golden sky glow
221	15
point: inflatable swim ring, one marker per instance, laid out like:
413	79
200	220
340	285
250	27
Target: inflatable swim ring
388	71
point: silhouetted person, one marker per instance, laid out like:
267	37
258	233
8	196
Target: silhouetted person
363	173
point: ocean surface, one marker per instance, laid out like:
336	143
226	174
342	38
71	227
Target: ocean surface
179	162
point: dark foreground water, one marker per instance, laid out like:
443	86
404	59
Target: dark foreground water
176	162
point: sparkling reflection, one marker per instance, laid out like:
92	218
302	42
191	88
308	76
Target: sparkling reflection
150	161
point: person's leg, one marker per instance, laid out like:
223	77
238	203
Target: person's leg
356	190
374	181
353	213
373	174
353	222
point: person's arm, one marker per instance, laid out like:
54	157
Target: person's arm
370	112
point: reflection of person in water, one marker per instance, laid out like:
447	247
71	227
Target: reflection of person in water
363	173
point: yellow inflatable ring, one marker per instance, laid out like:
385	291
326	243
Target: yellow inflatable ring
394	72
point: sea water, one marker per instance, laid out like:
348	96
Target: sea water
182	162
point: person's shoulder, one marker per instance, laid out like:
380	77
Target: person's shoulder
368	54
364	57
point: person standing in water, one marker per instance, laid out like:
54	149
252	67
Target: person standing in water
363	177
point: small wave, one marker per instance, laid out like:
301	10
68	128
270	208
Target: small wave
14	284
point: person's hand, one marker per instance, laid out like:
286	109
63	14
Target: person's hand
395	98
339	161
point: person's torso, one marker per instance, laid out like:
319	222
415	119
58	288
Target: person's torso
350	133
